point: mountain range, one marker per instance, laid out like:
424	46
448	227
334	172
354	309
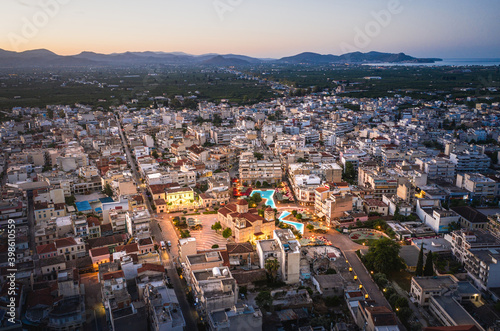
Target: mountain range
44	58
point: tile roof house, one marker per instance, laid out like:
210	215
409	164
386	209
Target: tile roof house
245	224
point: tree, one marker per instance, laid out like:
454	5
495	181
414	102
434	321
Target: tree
404	313
227	233
429	265
154	154
272	266
216	246
258	156
349	173
70	201
216	226
420	262
332	301
310	227
108	190
383	256
264	299
298	216
257	184
256	197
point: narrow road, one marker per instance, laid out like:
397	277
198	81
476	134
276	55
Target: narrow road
164	235
349	248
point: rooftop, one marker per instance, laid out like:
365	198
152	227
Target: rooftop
457	313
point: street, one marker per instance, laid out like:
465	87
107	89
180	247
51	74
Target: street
349	248
165	235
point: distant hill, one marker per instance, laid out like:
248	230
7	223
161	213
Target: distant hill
43	57
220	60
355	57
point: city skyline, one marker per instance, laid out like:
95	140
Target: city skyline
256	28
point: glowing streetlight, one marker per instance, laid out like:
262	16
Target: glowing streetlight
355	277
366	296
350	269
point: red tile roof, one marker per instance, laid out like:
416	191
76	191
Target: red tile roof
242	202
113	275
65	242
151	267
44	249
130	248
100	251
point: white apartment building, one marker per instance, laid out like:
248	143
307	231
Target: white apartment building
304	187
479	185
138	222
183	178
470	161
437	168
437	218
285	248
479	251
252	170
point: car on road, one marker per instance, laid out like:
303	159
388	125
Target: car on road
169	244
162	245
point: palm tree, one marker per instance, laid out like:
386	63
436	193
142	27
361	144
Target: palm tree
272	266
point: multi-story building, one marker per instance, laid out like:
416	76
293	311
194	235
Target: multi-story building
80	226
214	289
12	209
333	201
237	318
290	255
423	288
45	211
70	248
118	220
377	180
375	318
450	313
437	218
479	251
178	199
245	223
197	154
437	168
328	172
483	268
182	178
252	170
304	187
470	161
163	308
479	185
471	218
138	222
